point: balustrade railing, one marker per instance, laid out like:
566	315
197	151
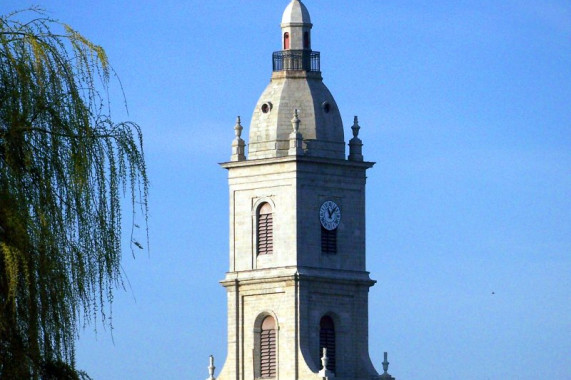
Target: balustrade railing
290	60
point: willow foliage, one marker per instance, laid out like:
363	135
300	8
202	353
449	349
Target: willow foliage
64	168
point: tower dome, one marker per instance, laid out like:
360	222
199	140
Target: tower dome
296	84
296	13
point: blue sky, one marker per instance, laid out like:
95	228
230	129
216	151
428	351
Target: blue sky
464	105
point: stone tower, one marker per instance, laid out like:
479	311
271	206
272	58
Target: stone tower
297	284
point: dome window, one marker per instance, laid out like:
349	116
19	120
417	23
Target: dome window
326	107
266	107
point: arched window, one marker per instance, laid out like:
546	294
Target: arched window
286	41
265	230
306	44
327	340
328	241
268	348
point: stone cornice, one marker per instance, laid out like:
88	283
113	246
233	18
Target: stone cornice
285	274
297	159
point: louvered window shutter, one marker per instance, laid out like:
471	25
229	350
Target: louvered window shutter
328	241
265	230
268	349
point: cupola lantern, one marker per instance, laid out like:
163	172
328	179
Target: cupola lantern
296	27
296	84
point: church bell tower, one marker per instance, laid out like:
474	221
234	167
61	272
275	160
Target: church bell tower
297	283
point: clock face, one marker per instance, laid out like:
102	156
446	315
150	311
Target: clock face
329	215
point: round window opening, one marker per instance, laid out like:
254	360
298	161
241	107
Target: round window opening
265	108
326	107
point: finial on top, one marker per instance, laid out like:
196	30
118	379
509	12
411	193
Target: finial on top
325	372
295	121
355	144
385	375
386	363
295	138
238	145
211	369
356	126
324	358
238	127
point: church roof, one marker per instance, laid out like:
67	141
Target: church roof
296	13
320	121
296	88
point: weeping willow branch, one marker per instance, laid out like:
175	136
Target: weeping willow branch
64	168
